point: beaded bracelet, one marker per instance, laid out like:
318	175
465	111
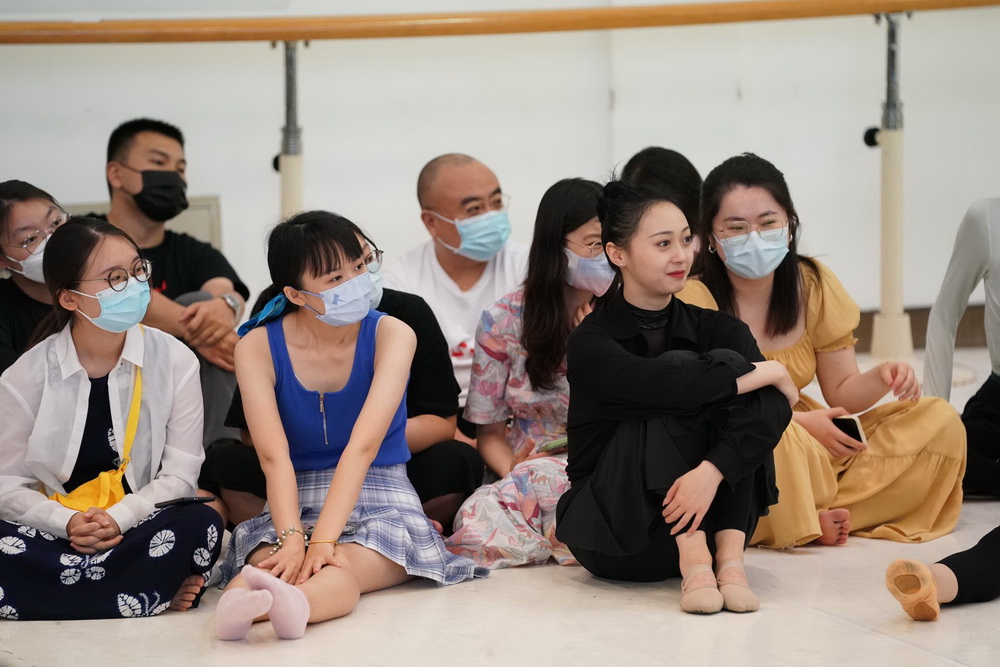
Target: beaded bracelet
285	534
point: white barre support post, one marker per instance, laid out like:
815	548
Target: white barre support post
290	161
892	338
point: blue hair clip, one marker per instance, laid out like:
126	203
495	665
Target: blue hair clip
271	310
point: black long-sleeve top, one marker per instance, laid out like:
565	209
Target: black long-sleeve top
611	378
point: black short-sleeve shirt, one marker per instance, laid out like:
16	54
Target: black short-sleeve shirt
182	264
19	315
432	389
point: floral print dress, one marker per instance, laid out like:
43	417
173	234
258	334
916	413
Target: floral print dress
512	521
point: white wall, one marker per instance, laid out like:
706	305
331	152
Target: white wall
537	108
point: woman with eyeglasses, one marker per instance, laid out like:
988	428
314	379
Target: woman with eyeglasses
28	216
99	394
518	395
903	480
323	378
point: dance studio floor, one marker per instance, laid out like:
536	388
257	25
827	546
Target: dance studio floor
818	606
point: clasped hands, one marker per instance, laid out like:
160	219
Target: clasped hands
93	531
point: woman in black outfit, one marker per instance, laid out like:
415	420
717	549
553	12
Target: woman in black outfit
672	419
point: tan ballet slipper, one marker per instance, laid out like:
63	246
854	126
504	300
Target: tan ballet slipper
912	583
736	597
703	598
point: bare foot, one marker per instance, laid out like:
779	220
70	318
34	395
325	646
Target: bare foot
835	525
186	594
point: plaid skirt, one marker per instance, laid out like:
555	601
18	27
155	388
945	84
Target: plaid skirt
387	519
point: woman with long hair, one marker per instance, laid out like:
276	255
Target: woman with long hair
518	395
102	423
323	379
672	418
904	482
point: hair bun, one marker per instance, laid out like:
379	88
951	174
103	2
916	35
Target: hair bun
612	191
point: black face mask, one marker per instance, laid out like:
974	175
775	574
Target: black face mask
162	196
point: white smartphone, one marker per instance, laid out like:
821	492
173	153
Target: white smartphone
851	425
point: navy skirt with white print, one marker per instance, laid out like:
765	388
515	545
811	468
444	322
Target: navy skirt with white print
387	519
42	577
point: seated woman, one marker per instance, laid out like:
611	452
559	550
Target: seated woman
974	259
443	471
323	388
100	393
672	418
967	576
28	216
906	484
519	377
668	172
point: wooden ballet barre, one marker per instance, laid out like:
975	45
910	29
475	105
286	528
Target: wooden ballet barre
430	25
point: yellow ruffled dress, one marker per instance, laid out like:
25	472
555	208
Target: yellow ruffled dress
906	487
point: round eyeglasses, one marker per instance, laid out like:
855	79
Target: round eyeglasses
738	231
595	249
117	279
373	260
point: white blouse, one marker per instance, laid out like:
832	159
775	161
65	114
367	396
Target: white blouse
44	398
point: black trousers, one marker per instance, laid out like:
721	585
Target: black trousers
441	469
976	570
731	509
982	424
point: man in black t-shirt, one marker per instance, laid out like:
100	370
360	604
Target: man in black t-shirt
196	294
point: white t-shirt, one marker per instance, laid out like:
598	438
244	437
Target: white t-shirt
974	259
418	272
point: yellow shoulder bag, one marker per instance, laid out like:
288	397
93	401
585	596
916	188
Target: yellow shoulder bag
107	489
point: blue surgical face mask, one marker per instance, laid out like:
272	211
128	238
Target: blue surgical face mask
757	256
483	235
591	274
376	278
346	303
120	311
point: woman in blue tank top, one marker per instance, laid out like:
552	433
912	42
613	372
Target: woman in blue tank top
323	386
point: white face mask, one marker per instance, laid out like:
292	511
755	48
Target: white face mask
592	274
346	303
31	266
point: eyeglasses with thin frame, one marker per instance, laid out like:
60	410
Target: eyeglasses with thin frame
596	248
33	238
117	279
374	260
738	231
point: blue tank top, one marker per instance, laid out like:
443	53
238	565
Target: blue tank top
318	425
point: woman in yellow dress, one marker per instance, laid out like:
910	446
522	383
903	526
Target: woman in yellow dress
906	483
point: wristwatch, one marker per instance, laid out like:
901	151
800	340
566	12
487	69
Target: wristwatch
232	302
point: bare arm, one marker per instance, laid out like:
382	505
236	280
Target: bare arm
493	447
255	374
164	314
422	431
845	386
